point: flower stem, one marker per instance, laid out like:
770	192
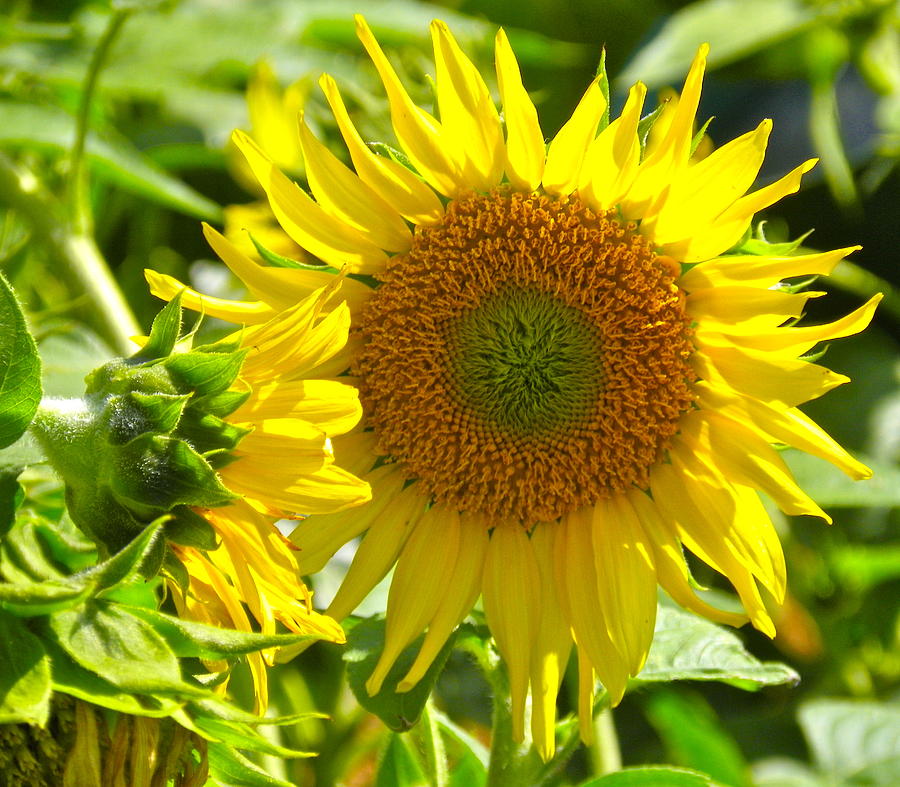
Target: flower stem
850	277
605	753
81	260
78	204
428	738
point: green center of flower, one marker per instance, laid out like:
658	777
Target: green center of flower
525	361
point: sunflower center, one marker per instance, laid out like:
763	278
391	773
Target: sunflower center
527	356
524	361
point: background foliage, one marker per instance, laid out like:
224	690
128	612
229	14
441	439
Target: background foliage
827	71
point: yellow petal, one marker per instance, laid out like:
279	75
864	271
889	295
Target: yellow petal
731	305
419	585
378	552
510	596
435	155
665	161
570	145
760	271
239	312
342	194
576	578
586	680
626	578
467	111
782	380
307	223
747	458
705	189
525	151
552	645
780	424
726	229
329	405
396	184
318	538
671	567
612	161
465	581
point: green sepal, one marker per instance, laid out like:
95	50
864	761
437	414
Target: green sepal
244	736
189	529
34	599
645	124
164	332
757	244
221	709
203	371
231	767
20	369
604	88
173	568
138	561
25	688
209	432
221	404
698	137
121	648
278	261
188	638
398	710
159	472
162	412
383	149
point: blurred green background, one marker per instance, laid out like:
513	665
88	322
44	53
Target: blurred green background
172	88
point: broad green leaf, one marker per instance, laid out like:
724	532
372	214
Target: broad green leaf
687	647
25	599
20	369
11	496
828	486
24	675
136	562
41	127
695	738
399	767
233	768
666	57
653	776
189	638
854	743
122	648
399	710
26	557
70	678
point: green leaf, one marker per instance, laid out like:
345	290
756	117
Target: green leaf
24	675
853	743
164	332
25	556
652	776
399	710
829	487
205	372
137	561
11	496
162	472
694	737
665	58
112	157
41	598
188	638
399	767
70	678
121	648
686	647
233	768
20	369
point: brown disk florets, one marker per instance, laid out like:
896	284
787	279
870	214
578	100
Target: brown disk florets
527	356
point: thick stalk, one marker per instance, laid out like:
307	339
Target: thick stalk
431	746
81	260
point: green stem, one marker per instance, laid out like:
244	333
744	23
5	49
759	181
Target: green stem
605	753
431	745
81	260
79	208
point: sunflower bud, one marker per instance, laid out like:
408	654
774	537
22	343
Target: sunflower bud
147	438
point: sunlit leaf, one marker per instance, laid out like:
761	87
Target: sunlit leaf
399	767
653	776
20	369
24	674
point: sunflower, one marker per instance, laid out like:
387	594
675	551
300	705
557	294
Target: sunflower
281	468
569	372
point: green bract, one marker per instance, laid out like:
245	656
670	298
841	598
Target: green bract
147	437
